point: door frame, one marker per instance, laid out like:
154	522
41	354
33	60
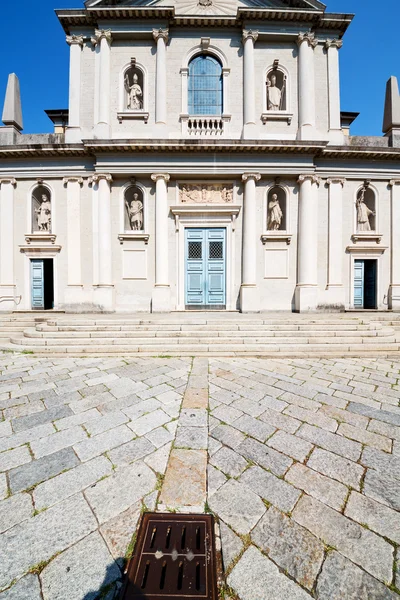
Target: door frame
226	220
28	291
366	256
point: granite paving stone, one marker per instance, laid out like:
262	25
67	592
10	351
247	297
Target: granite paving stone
14	510
193	417
41	537
336	467
117	493
42	469
5	428
228	436
67	484
365	437
375	515
232	545
344	416
312	418
350	539
69	577
185	483
14	458
291	445
158	460
330	441
118	531
238	506
192	437
322	488
384	463
380	415
40	418
294	549
341	579
215	479
146	423
160	436
383	488
58	441
264	456
27	588
229	462
280	421
390	431
98	444
106	423
254	427
255	577
127	453
271	488
142	407
78	419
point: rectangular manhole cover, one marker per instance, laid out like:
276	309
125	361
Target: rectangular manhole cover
174	558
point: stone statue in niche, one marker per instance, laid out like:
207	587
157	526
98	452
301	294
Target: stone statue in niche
206	194
133	89
41	210
364	213
275	214
276	91
134	210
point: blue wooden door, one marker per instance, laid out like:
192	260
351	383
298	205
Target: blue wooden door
205	259
37	283
358	284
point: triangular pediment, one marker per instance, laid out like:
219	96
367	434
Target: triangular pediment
182	4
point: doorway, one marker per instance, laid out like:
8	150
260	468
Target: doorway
42	283
205	268
365	284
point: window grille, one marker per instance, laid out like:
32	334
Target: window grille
195	250
216	250
205	86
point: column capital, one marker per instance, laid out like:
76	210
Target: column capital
161	33
10	180
247	176
100	34
77	40
249	34
333	180
157	176
394	182
308	37
333	44
67	180
98	177
310	177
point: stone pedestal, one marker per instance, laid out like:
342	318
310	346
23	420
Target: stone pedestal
306	43
335	296
306	294
161	297
249	103
394	290
249	294
7	283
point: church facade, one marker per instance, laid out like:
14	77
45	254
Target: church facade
203	163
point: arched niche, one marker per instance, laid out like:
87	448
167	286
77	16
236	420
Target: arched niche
41	209
134	96
277	209
276	90
366	209
133	209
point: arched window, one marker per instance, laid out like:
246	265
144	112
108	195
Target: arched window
205	86
133	213
41	209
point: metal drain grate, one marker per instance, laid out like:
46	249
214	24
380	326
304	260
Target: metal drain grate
174	558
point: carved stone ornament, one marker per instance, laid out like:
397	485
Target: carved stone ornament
161	33
100	34
68	180
218	193
255	176
75	39
337	180
333	44
309	38
312	178
10	180
249	34
205	3
157	176
96	178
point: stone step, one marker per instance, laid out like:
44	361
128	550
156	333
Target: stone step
203	322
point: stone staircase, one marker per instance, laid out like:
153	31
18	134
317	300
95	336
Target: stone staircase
211	334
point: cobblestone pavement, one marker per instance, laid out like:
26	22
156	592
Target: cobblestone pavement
303	471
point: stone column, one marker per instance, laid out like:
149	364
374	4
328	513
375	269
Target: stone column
73	132
306	294
161	300
7	283
306	42
394	290
249	102
249	299
161	37
73	292
335	126
104	289
103	40
335	243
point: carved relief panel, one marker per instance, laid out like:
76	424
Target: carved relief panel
202	193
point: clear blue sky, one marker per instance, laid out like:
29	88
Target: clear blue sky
33	45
